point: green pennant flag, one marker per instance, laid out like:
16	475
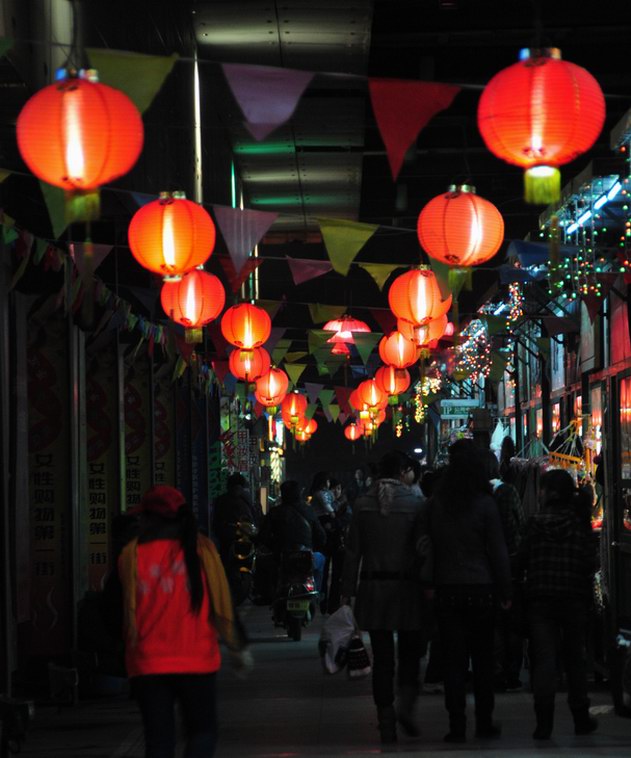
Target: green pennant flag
293	357
441	272
333	366
279	352
457	278
316	338
139	76
55	199
294	371
4	174
323	369
240	391
380	271
311	409
323	313
334	410
495	324
326	396
545	348
6	43
498	366
270	306
9	234
343	240
365	343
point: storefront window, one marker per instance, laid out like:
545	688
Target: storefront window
625	428
539	422
596	419
556	417
513	433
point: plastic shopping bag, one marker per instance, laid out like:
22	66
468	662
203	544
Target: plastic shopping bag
357	659
335	639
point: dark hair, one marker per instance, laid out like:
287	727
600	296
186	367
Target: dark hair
333	483
319	481
237	480
428	482
491	464
393	464
464	477
290	491
188	540
507	451
562	492
416	468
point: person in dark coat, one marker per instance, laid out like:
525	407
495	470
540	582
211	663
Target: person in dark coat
234	505
388	594
558	556
466	561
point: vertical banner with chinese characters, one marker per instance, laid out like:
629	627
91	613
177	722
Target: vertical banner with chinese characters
138	472
199	472
164	423
216	472
102	454
49	484
183	436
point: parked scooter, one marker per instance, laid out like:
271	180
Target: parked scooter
295	601
240	560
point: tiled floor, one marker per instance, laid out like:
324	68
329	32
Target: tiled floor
288	707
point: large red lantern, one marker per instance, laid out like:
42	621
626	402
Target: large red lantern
393	381
193	301
371	394
246	326
309	427
426	334
78	134
272	387
397	350
416	297
540	113
294	408
460	228
353	431
171	235
249	365
355	401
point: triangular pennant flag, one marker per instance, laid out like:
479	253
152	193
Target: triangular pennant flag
258	409
441	272
322	368
236	280
293	357
220	343
343	240
303	270
316	338
242	230
327	413
267	95
6	43
310	412
149	73
326	396
4	174
280	350
55	200
313	391
385	318
365	344
275	336
380	272
99	254
323	313
334	411
147	297
294	371
342	417
333	366
342	394
402	108
271	306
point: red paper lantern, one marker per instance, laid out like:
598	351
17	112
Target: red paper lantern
460	228
397	350
272	387
171	235
355	401
194	300
424	335
310	427
78	134
372	395
345	327
416	297
246	326
294	407
540	113
249	365
380	417
353	431
340	349
392	381
302	436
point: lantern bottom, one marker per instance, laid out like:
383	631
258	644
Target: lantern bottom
82	205
542	185
193	335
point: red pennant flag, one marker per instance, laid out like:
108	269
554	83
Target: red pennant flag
402	108
221	369
242	230
220	343
303	270
386	320
98	253
185	349
236	280
258	409
342	394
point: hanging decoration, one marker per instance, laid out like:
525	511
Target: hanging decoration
393	382
271	388
416	297
246	326
540	113
171	235
372	397
398	351
473	354
344	328
193	301
293	409
353	431
249	365
426	335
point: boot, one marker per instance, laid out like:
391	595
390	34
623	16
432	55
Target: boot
544	711
457	728
583	722
387	724
405	710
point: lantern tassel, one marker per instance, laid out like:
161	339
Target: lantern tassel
542	185
82	206
193	335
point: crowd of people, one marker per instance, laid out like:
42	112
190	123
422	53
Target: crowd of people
431	561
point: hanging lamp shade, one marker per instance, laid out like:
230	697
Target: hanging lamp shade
271	388
249	365
540	113
460	228
415	296
78	134
294	407
392	381
344	328
397	350
171	235
372	395
193	301
424	335
246	326
340	348
353	431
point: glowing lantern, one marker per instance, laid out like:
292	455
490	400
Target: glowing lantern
540	113
302	436
460	228
415	296
272	387
353	431
392	381
344	328
397	350
310	427
340	349
372	395
450	329
355	402
193	301
246	326
249	365
78	134
294	408
426	334
380	417
171	235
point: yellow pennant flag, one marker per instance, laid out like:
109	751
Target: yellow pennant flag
294	371
343	240
380	271
322	313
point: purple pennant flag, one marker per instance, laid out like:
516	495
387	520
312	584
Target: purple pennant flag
99	254
303	270
275	335
313	391
242	230
342	417
267	95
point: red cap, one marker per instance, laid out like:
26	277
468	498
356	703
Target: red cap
161	499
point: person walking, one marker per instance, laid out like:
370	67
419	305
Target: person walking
176	604
234	505
381	570
559	556
466	563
